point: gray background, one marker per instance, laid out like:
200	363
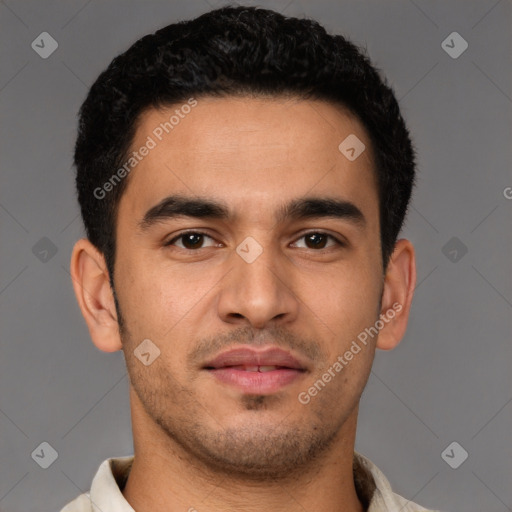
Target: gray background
449	380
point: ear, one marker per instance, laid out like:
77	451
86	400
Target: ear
399	284
92	289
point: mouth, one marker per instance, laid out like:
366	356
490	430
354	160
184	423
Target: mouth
256	368
256	372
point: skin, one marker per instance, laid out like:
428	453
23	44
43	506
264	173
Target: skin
203	444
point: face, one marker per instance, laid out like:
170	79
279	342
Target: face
276	268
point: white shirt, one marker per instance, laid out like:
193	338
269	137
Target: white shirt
105	494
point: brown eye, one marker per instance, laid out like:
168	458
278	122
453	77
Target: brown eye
318	240
191	240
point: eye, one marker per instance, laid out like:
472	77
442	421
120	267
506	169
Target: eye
191	240
318	240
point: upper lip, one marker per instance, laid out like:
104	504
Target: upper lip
251	357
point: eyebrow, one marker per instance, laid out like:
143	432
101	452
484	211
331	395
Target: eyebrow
203	208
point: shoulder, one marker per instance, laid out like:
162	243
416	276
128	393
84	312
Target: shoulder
105	488
80	504
384	499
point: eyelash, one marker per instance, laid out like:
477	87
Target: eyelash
170	242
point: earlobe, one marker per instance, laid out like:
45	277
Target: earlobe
92	289
399	284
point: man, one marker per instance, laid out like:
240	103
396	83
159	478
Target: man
243	178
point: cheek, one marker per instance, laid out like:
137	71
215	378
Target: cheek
167	304
344	300
336	389
348	304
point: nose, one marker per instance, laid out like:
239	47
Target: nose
258	292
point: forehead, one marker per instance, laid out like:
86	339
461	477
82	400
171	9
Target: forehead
249	149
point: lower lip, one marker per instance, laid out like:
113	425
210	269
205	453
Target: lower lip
257	382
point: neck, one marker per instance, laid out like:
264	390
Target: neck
166	477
